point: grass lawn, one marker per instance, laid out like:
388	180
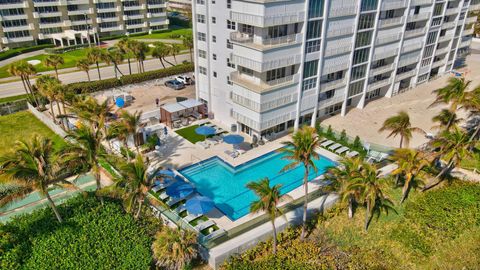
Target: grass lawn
189	134
23	126
14	98
168	34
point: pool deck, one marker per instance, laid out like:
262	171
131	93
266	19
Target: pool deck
179	153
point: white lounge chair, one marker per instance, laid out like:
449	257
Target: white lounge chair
334	147
172	201
180	209
342	150
204	225
215	234
191	217
232	154
382	157
327	143
163	196
212	141
352	154
203	145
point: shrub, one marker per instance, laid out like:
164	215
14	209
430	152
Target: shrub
17	51
65	49
343	137
91	237
329	133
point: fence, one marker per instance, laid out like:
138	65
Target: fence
47	121
13	107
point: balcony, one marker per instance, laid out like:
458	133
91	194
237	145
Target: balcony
265	64
269	20
448	25
470	20
447	37
474	7
6	40
382	69
415	32
80	12
438	63
263	86
405	75
385	54
81	22
412	47
164	5
113	19
451	11
326	86
379	84
13	17
78	2
156	15
442	51
393	4
134	26
421	2
391	22
388	38
111	29
19	28
14	5
465	43
343	11
339	49
50	3
47	14
139	7
133	17
107	10
259	43
50	25
158	22
330	101
418	17
467	32
408	61
336	32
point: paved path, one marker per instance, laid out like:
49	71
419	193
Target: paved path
16	88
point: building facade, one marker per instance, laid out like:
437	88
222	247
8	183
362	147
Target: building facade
268	65
66	21
184	6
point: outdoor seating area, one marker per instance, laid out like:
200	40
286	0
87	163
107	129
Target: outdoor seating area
183	200
338	148
183	113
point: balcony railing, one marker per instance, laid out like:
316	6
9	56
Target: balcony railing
418	17
385	54
472	19
330	101
340	31
342	11
475	7
465	43
159	22
415	32
263	86
388	38
139	7
14	5
80	12
391	22
405	75
111	29
6	40
382	69
325	86
451	11
264	43
266	64
412	47
13	17
447	25
408	61
393	4
421	2
340	49
265	21
447	37
379	84
133	26
18	28
467	32
442	50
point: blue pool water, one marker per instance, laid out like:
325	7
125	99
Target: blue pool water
226	185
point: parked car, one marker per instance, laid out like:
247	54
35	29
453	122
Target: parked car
174	84
184	79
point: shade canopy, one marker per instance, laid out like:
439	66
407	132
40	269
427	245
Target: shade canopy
180	190
233	139
205	130
199	205
168	173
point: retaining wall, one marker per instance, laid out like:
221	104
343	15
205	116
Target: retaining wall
47	121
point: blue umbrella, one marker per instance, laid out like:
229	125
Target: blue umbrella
199	205
180	190
233	139
205	130
168	173
120	102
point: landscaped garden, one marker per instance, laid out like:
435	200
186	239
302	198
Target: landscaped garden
175	33
190	135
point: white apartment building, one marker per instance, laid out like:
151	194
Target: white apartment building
267	65
65	22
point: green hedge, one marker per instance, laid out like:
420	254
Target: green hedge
65	49
17	51
122	36
94	86
92	237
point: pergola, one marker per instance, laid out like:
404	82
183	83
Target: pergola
72	37
173	112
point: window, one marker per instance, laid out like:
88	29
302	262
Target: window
201	36
200	18
230	64
14	23
202	54
368	5
360	56
432	37
201	2
363	39
366	21
228	81
214	20
229	44
230	25
310	69
313	46
214	39
17	34
229	3
355	88
309	84
314	29
213	1
275	74
246	71
214	56
202	70
215	74
315	8
358	72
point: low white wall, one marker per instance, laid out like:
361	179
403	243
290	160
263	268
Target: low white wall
218	254
47	121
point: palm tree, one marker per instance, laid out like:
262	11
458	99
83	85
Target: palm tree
400	125
139	50
87	109
84	65
410	164
446	119
472	104
116	58
268	199
454	93
125	47
301	151
54	61
119	131
132	125
85	152
45	85
371	186
95	55
188	42
135	182
341	177
454	146
24	70
160	51
174	248
33	167
174	51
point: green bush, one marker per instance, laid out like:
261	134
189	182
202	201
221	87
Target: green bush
92	237
343	137
17	51
94	86
65	49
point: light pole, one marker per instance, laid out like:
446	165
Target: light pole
88	29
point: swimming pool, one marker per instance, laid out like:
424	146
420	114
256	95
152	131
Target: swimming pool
226	185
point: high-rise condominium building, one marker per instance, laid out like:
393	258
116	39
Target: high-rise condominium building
267	65
69	22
